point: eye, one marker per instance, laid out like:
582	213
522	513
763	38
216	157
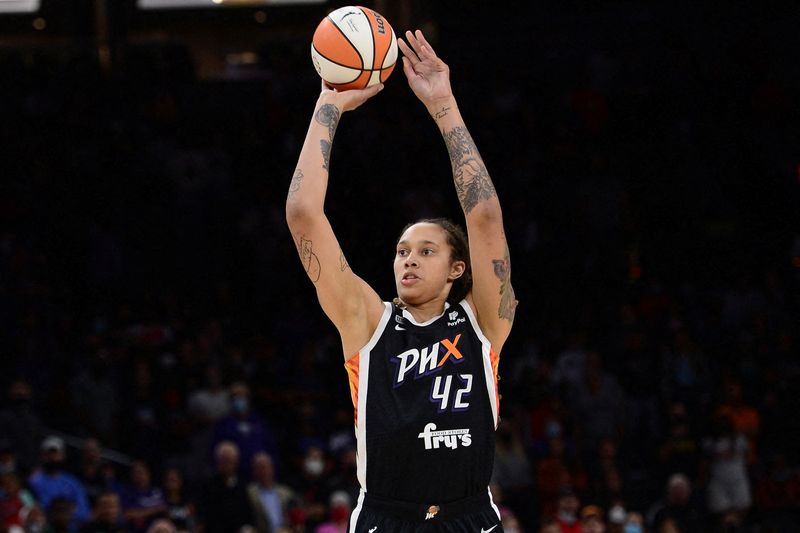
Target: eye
402	252
427	251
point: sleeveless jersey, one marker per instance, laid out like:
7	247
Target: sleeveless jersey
426	407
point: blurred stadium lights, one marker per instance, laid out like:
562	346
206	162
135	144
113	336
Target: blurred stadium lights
194	4
19	6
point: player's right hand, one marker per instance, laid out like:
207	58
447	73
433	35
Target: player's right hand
347	100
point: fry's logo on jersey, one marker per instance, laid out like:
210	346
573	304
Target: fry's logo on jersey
449	438
427	360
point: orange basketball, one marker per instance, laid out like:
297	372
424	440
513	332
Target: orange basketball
354	47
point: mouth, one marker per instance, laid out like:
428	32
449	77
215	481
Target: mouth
409	279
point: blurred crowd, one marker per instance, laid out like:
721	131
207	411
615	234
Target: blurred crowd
165	364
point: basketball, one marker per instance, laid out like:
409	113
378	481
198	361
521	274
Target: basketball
353	48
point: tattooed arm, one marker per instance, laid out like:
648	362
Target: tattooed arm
347	300
492	295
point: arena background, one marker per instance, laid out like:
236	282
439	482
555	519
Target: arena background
647	159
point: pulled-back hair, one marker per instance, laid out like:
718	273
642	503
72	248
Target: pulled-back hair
459	251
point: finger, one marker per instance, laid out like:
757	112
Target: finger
425	42
408	70
415	44
408	52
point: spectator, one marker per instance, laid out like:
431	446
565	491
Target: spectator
60	516
553	473
634	523
162	525
745	419
107	515
224	506
244	428
592	520
15	502
180	510
90	469
8	457
143	502
678	507
777	495
598	403
729	486
52	482
339	508
512	469
21	426
550	526
310	485
679	452
270	499
617	516
568	506
345	476
211	402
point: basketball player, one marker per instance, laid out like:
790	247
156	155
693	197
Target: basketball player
423	368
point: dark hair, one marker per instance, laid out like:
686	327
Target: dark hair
459	251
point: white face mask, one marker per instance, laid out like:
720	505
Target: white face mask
314	466
567	517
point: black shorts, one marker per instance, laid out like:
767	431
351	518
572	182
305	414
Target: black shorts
476	514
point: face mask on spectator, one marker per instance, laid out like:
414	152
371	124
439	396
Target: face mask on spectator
240	405
314	466
633	528
567	517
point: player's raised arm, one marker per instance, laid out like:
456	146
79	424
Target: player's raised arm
347	300
492	293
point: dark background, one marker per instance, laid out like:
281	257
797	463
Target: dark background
646	156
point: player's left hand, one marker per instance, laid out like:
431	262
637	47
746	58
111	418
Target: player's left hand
428	76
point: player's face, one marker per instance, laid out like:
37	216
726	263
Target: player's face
423	269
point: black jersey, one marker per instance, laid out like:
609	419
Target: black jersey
426	405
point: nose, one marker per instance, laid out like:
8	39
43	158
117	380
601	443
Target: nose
410	261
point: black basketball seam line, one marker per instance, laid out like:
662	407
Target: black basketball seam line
349	41
394	38
350	66
372	37
360	71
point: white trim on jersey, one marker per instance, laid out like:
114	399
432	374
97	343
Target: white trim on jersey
357	511
491	502
363	383
408	316
486	351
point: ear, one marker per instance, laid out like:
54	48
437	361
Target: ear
456	270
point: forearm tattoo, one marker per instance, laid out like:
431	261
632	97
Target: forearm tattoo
325	148
472	181
508	301
327	115
305	248
343	265
294	186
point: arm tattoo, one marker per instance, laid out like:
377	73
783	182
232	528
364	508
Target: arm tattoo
309	258
294	186
508	301
325	148
441	113
471	178
328	115
342	261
